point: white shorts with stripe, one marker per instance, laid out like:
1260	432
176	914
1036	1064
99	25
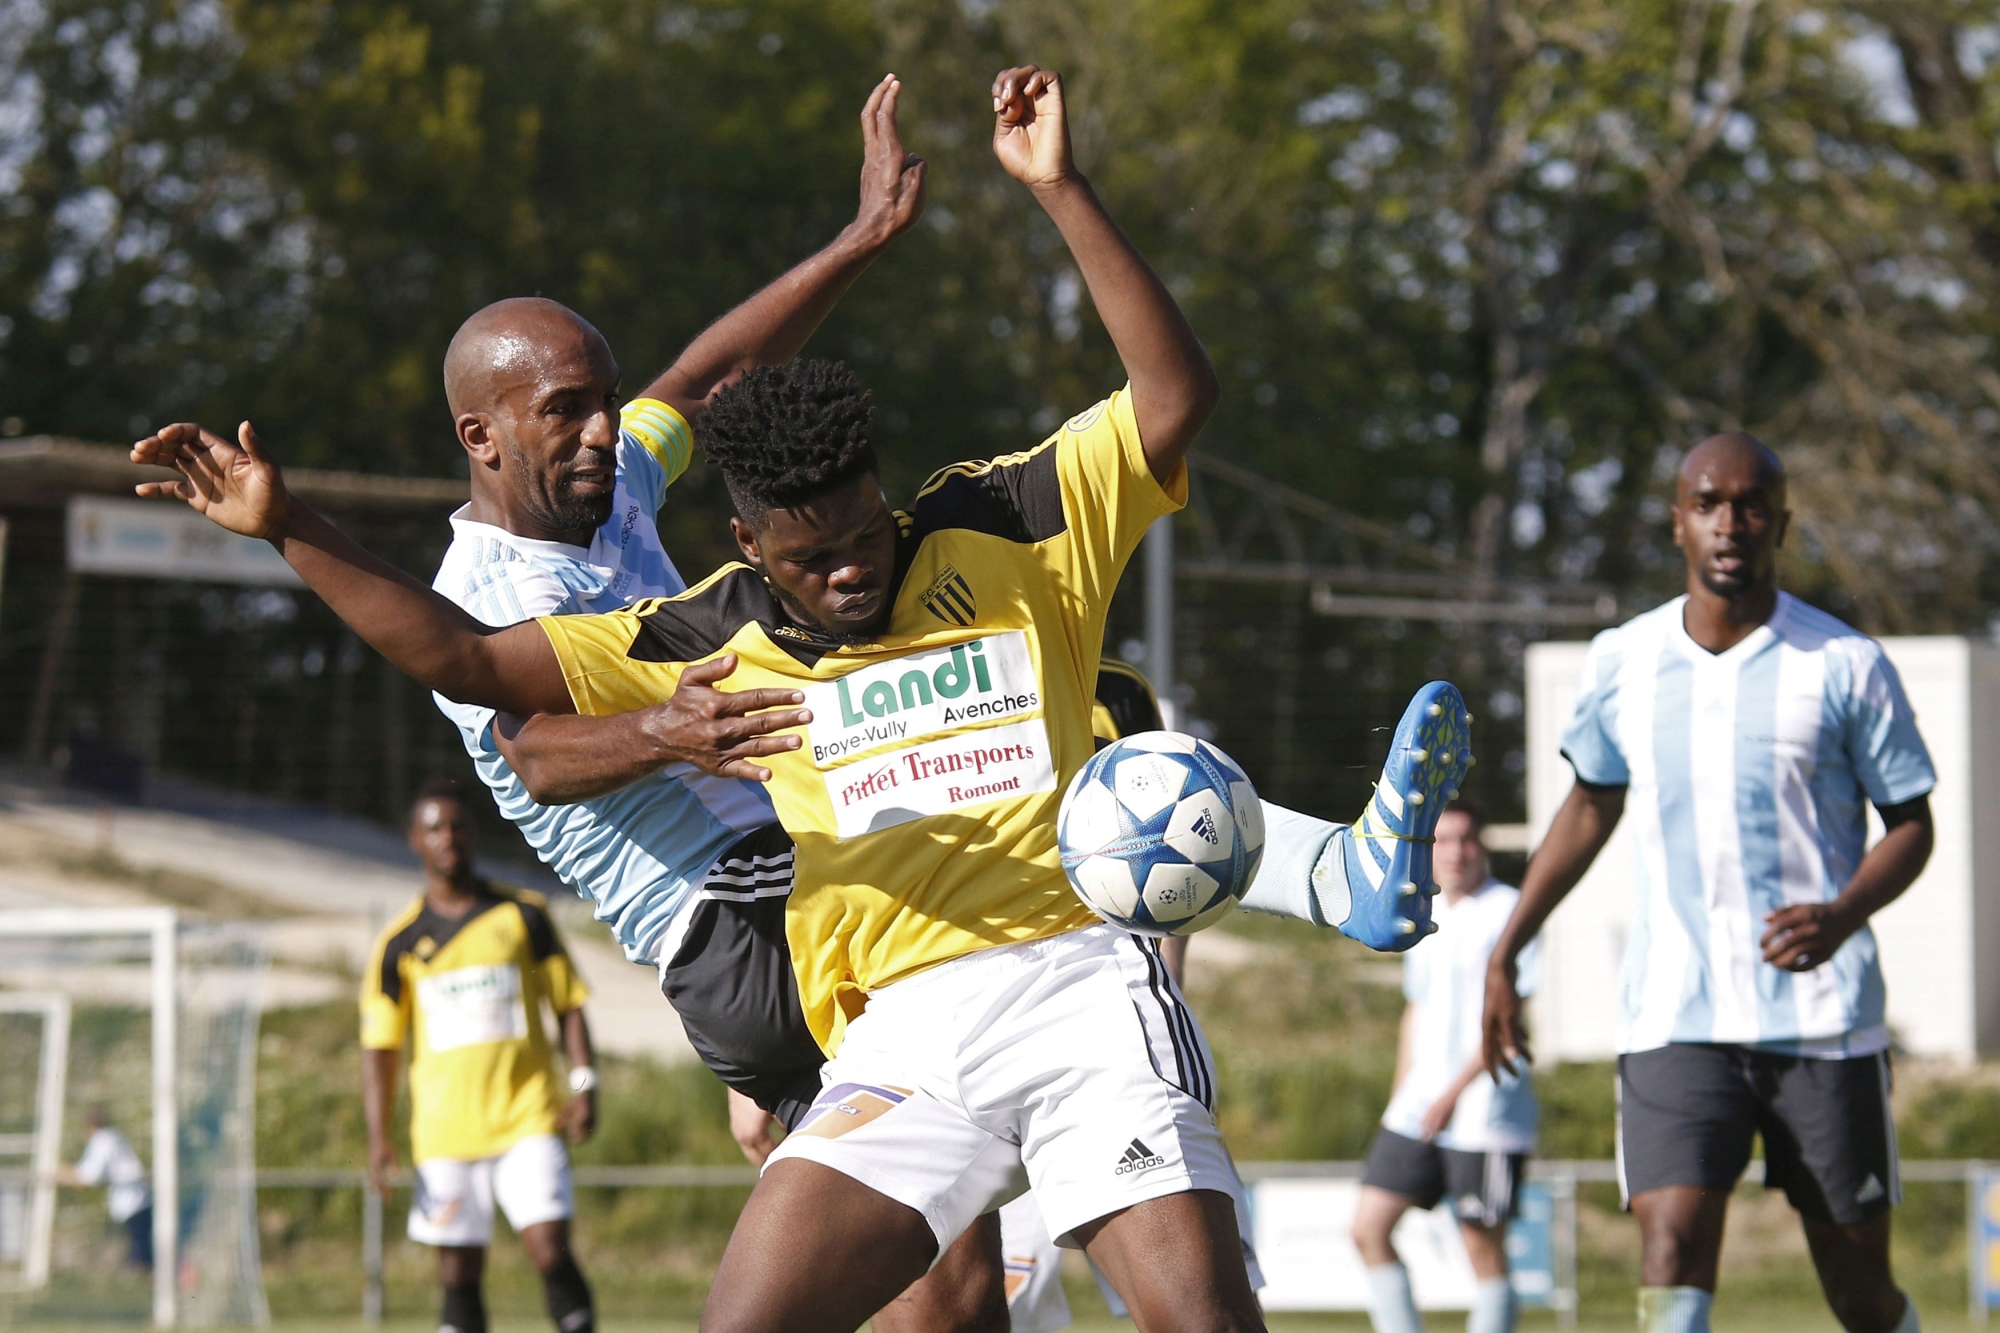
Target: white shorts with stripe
1074	1059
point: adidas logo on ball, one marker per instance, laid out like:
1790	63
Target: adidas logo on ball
1160	833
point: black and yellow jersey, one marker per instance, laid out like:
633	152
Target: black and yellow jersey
467	996
1125	703
923	800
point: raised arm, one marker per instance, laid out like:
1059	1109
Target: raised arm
1174	388
1577	835
774	324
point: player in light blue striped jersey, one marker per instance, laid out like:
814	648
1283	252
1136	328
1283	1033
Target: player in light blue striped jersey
1744	734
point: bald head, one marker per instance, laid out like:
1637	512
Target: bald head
534	401
1740	456
1730	521
513	344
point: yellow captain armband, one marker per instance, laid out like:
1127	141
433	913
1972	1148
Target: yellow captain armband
663	431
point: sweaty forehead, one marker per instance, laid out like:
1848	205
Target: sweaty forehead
529	345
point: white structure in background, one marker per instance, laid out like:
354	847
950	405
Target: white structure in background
28	1196
1940	942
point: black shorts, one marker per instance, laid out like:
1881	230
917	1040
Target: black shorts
1687	1113
731	979
1480	1185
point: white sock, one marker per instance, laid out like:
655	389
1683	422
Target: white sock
1391	1308
1492	1307
1674	1309
1909	1322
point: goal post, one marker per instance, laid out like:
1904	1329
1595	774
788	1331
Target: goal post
183	996
40	1148
160	927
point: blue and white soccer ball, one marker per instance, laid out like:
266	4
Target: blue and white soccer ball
1160	833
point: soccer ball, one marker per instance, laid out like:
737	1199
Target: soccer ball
1160	833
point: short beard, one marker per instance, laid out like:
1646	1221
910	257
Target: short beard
576	513
565	511
1727	590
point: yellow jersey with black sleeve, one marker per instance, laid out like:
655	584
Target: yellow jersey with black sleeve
923	801
466	994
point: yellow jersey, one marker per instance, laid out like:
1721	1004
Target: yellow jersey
923	799
467	996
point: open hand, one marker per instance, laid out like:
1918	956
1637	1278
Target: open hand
1801	937
722	731
235	486
892	180
1030	131
1506	1033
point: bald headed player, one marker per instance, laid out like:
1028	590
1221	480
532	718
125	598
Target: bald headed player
1745	733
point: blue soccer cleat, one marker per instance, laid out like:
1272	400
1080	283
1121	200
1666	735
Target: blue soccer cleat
1387	852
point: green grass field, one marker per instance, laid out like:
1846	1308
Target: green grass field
1303	1027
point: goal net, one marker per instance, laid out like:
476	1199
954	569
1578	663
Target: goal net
128	1043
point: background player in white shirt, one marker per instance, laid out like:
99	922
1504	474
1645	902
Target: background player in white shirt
108	1159
1745	733
1452	1131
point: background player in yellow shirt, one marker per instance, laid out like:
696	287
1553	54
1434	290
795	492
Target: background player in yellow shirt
461	977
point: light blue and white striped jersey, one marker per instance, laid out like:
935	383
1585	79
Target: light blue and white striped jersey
637	852
1444	979
1749	773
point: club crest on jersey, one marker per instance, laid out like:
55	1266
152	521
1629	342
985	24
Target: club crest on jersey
949	598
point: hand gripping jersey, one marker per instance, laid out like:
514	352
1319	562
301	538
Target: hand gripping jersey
923	800
637	851
1749	773
468	996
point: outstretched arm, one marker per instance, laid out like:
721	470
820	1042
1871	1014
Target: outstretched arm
1174	388
774	324
1577	835
512	670
239	487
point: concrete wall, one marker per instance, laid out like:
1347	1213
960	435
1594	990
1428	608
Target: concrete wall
1940	942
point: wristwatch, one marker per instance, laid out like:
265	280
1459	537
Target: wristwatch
583	1079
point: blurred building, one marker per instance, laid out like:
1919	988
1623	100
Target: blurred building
135	637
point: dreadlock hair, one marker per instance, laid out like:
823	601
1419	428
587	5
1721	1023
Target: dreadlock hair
786	434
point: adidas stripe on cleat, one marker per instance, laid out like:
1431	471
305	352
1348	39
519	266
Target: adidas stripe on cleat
1388	850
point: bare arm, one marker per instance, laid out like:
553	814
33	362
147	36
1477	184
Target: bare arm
1579	833
239	487
512	670
378	1107
580	1116
775	323
1174	387
1804	936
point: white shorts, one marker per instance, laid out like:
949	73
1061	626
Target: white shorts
454	1198
1073	1057
1035	1299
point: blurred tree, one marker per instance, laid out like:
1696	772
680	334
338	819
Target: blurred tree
1478	269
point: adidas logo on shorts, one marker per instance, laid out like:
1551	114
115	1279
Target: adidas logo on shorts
1138	1157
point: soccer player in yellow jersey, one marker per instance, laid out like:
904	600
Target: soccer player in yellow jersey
461	977
979	1019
